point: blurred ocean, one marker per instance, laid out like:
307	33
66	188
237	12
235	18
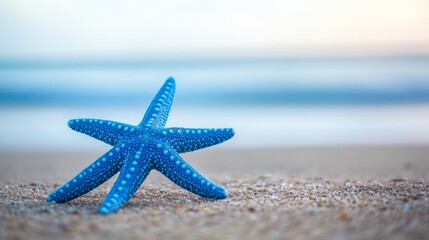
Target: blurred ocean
269	102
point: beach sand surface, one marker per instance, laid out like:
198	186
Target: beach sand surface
347	192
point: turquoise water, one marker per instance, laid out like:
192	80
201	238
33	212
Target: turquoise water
269	102
307	81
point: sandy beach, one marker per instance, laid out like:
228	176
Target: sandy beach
378	192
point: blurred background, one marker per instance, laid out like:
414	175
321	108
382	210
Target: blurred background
282	73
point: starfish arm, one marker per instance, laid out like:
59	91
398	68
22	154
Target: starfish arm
106	131
191	139
184	175
91	177
133	172
157	113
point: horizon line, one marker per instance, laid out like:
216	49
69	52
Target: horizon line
138	61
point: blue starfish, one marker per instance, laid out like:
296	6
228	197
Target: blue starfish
139	149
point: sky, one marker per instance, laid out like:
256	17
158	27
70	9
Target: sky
52	28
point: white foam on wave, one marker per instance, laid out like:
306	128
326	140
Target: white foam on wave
32	128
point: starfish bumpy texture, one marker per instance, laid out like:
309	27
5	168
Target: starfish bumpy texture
139	149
